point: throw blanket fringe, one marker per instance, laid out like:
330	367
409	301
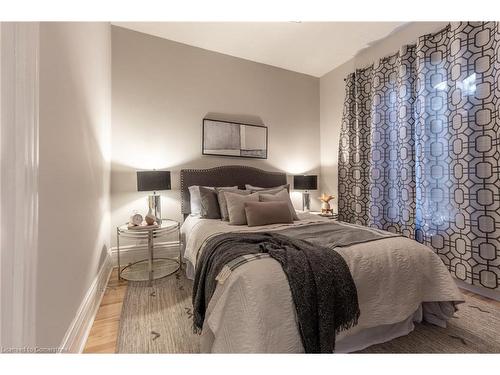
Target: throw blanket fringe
352	323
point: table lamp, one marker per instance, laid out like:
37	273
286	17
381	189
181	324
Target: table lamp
153	181
305	183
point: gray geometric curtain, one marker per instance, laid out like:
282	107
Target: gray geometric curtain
420	147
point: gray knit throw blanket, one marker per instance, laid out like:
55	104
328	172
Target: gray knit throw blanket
321	284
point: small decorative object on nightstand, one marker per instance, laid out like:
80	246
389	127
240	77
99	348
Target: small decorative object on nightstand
306	183
150	219
151	268
135	219
325	205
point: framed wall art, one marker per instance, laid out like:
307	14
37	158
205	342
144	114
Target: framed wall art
224	138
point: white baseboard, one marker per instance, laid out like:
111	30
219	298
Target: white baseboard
485	292
78	332
132	253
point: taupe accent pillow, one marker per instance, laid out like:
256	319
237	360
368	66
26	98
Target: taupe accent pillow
195	197
236	206
254	189
265	213
222	200
282	196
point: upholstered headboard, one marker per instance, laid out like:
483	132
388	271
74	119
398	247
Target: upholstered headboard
230	175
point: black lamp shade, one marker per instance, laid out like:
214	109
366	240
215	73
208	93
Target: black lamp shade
153	180
305	182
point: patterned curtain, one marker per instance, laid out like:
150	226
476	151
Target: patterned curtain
420	147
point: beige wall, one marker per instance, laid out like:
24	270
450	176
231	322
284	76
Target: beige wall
161	91
75	81
332	92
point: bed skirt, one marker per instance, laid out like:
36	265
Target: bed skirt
436	313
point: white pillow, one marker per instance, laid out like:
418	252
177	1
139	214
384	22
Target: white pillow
282	196
236	206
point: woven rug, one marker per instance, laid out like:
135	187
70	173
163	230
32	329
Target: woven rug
158	319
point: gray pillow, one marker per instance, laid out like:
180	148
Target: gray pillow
236	206
282	196
270	191
222	200
265	213
254	189
195	198
209	204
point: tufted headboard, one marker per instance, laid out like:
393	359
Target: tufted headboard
230	175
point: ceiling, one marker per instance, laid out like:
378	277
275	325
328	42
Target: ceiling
312	48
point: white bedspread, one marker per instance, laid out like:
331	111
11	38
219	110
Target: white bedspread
253	311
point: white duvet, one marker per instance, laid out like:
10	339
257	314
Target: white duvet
398	281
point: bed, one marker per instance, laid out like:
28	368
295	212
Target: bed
399	282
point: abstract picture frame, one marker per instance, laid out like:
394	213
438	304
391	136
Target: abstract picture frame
234	139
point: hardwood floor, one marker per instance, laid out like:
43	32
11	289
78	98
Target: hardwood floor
104	331
492	302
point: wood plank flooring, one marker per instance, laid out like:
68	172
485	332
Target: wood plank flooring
495	304
104	332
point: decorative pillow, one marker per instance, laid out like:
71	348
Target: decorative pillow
236	206
208	203
254	189
282	196
264	213
222	200
195	198
270	191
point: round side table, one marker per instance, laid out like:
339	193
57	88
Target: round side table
151	268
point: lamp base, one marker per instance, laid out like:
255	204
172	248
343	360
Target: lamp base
154	204
306	201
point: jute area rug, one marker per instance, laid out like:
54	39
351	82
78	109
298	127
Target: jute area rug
158	319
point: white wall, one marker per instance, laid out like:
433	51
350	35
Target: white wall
75	79
161	91
332	93
18	182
